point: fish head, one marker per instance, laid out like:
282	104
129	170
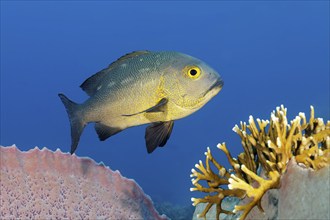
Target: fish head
193	83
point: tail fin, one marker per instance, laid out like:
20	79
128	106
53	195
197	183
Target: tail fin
77	124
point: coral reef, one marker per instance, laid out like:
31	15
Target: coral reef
41	184
302	195
268	148
174	211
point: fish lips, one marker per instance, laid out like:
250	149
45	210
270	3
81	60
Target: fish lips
215	87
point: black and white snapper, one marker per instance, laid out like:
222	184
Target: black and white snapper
140	88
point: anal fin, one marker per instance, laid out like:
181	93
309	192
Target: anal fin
157	134
104	131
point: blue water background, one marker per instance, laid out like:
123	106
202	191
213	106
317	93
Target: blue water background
268	53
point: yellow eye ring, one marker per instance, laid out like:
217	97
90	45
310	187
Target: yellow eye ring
193	72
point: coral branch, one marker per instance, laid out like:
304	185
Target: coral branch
267	145
251	192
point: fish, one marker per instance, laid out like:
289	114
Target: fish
143	87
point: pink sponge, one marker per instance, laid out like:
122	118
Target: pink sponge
41	184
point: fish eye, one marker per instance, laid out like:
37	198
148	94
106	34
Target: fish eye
193	72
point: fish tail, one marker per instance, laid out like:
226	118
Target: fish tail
76	122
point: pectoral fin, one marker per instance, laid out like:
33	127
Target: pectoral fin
104	132
159	107
157	134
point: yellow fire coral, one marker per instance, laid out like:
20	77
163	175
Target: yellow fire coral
267	147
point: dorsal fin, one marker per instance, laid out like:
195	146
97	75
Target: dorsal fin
91	84
128	56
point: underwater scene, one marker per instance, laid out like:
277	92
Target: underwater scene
165	110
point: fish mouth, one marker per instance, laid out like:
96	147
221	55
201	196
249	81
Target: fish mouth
204	97
216	86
